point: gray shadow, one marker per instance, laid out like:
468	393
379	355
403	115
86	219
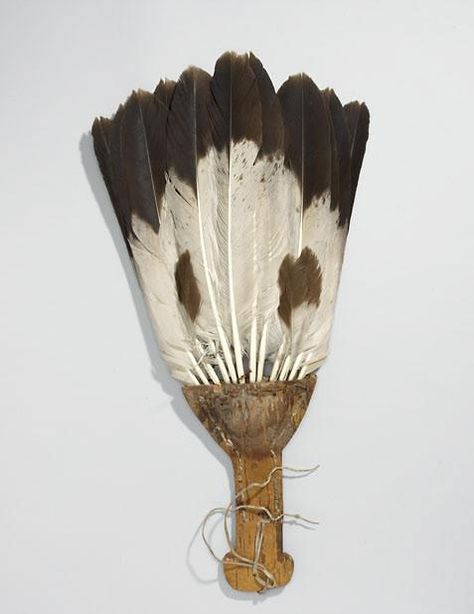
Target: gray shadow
159	369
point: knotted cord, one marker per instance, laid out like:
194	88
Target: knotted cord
263	576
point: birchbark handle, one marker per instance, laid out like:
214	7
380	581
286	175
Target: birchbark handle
248	524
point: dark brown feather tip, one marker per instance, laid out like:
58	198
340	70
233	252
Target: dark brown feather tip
341	186
187	130
322	142
307	135
358	119
235	109
271	118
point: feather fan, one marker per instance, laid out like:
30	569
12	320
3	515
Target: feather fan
235	202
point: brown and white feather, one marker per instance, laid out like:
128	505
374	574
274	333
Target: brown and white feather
235	202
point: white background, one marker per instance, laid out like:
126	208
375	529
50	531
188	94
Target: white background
105	474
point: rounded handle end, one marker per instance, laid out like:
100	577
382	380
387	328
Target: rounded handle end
243	578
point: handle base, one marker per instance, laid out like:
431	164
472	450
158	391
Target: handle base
242	578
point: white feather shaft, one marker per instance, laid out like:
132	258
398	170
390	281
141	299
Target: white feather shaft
233	314
220	330
261	353
197	368
276	364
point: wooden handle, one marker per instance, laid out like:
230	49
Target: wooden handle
253	422
275	567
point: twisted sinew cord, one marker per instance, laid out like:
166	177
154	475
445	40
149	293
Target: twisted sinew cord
262	575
